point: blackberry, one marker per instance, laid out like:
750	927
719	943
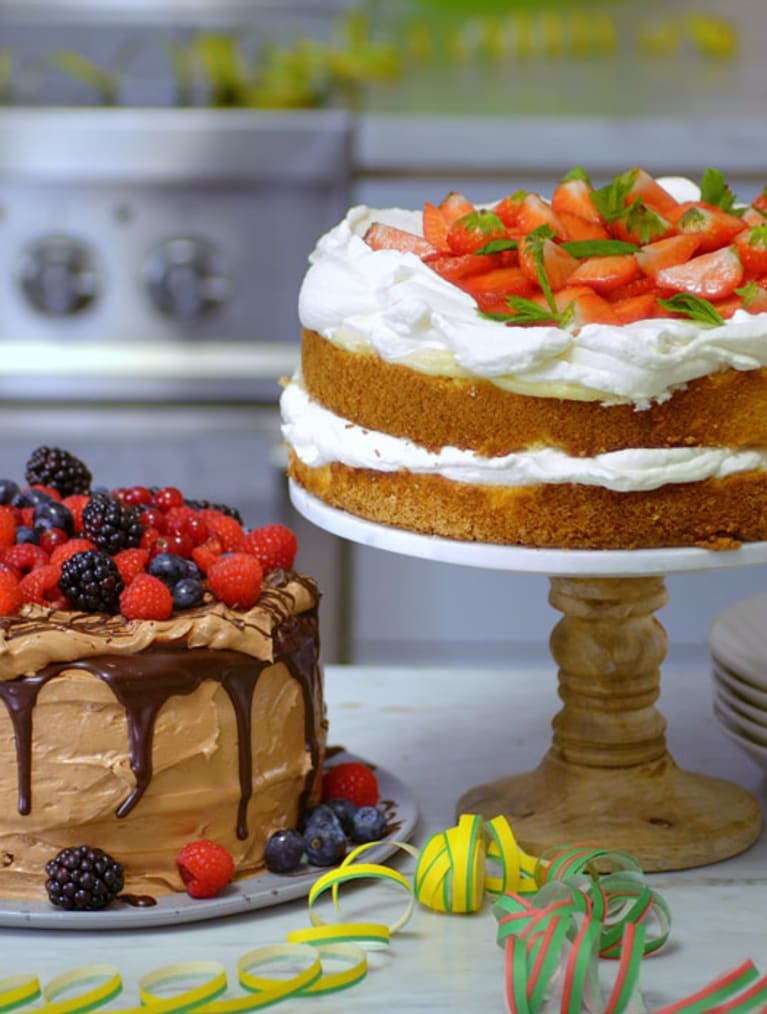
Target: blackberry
83	879
91	582
223	508
112	524
52	466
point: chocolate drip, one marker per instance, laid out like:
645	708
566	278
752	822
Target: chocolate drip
144	681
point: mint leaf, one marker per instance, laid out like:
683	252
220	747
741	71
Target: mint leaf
525	312
533	244
714	190
577	173
610	200
644	222
694	307
498	246
598	247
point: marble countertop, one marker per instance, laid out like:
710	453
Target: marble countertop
442	731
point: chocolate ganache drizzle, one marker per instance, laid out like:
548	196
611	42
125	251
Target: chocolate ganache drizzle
143	681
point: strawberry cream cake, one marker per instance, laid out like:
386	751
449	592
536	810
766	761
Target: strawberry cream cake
159	680
586	371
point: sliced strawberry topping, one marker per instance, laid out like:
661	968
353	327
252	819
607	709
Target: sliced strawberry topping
713	227
492	288
474	231
649	192
573	197
388	237
435	226
666	253
558	265
578	228
509	207
633	308
751	245
454	267
535	212
604	274
455	206
711	275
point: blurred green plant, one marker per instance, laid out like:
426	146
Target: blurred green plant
6	76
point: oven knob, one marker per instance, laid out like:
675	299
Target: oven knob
58	276
186	279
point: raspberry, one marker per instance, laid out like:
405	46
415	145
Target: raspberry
207	554
131	563
236	580
205	867
274	546
146	598
10	596
351	780
25	557
68	549
75	504
7	527
42	586
228	529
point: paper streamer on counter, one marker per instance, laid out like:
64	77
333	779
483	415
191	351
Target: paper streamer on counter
556	916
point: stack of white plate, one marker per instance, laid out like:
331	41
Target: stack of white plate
738	640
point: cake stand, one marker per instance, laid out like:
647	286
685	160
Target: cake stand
607	777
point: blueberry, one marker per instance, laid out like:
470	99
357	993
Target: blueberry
369	824
344	809
325	843
284	851
192	570
30	498
169	567
26	534
8	490
52	514
320	816
187	593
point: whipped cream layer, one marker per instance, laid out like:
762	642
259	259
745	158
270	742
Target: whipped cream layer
393	304
319	438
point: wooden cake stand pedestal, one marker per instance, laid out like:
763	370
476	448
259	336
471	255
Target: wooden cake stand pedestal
607	777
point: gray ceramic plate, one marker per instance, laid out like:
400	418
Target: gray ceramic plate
242	896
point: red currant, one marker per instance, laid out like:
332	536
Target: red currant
168	497
138	495
173	542
153	517
50	538
149	538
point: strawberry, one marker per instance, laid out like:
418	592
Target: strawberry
760	202
639	287
388	237
752	216
454	267
751	245
665	253
578	228
10	596
726	307
7	527
573	197
274	546
713	227
649	192
558	264
603	274
435	226
236	579
41	585
754	296
632	308
641	224
455	206
534	212
585	306
130	563
146	598
492	287
69	548
351	780
205	868
228	529
711	275
475	230
508	208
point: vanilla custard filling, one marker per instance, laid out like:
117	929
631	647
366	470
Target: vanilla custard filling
394	305
320	438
